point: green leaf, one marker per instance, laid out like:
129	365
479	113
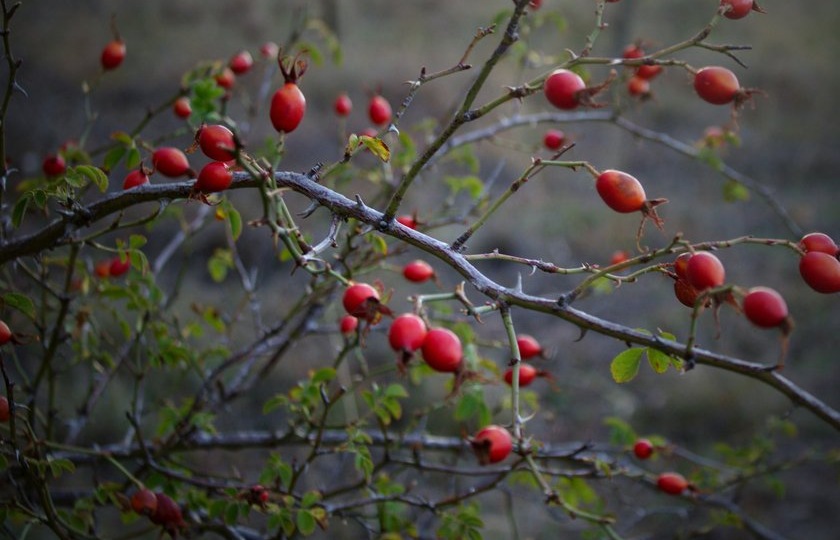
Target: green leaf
310	498
658	360
219	263
19	211
407	152
469	405
377	146
283	519
710	157
306	522
217	508
275	402
234	219
139	260
93	174
471	184
735	192
329	37
134	158
378	243
231	513
113	157
625	366
621	433
21	303
59	466
123	138
136	241
39	197
352	143
396	390
323	375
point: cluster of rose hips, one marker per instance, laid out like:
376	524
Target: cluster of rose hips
439	347
567	90
638	85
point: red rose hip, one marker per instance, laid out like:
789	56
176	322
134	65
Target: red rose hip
54	165
361	300
214	177
492	444
527	374
418	271
672	483
170	162
135	178
407	333
113	55
144	502
182	107
342	105
529	347
288	106
705	271
643	449
737	9
562	89
817	241
442	350
764	307
553	139
716	85
820	271
217	142
620	191
379	110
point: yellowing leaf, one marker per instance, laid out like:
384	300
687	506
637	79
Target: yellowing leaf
377	146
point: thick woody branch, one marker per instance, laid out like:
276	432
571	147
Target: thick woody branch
60	232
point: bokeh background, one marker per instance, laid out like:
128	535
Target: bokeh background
790	140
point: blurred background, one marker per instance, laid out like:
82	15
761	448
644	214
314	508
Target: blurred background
789	141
